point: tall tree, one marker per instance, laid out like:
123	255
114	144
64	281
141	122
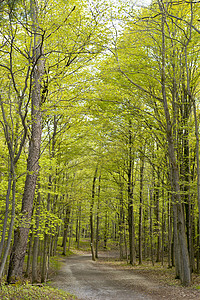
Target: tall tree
21	233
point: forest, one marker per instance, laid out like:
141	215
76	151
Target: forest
99	132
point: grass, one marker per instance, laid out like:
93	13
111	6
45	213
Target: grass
31	292
55	261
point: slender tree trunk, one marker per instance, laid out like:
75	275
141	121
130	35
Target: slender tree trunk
125	244
78	226
44	271
10	232
29	255
192	243
14	156
130	199
198	248
186	171
71	231
6	212
66	226
45	258
198	172
36	240
163	227
144	234
169	234
177	254
97	222
140	238
189	103
91	215
11	186
35	259
56	240
121	221
157	212
151	228
105	229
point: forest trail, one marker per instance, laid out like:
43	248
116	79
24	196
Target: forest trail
90	280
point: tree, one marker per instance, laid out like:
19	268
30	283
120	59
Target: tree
21	233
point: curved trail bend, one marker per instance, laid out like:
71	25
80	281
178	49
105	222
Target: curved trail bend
90	280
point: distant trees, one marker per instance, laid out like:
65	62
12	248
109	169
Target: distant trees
154	61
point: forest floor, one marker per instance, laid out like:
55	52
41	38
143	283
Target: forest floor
110	279
25	291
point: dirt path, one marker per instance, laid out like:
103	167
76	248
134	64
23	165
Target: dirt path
90	280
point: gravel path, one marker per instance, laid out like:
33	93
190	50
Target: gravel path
90	280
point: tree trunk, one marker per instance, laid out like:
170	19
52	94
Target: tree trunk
169	234
47	236
151	227
157	213
21	232
141	207
198	173
163	227
78	227
13	144
105	229
35	259
130	199
14	157
3	262
97	222
66	225
71	231
121	221
29	254
91	215
198	248
125	244
3	235
45	259
56	240
182	241
36	241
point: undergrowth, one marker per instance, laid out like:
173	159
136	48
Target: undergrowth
31	292
25	291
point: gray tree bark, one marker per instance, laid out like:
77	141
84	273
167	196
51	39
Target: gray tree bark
21	233
131	224
36	242
66	226
98	219
185	274
140	238
91	215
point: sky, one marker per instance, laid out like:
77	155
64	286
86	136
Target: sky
142	2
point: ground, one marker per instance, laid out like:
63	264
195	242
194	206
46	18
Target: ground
108	279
